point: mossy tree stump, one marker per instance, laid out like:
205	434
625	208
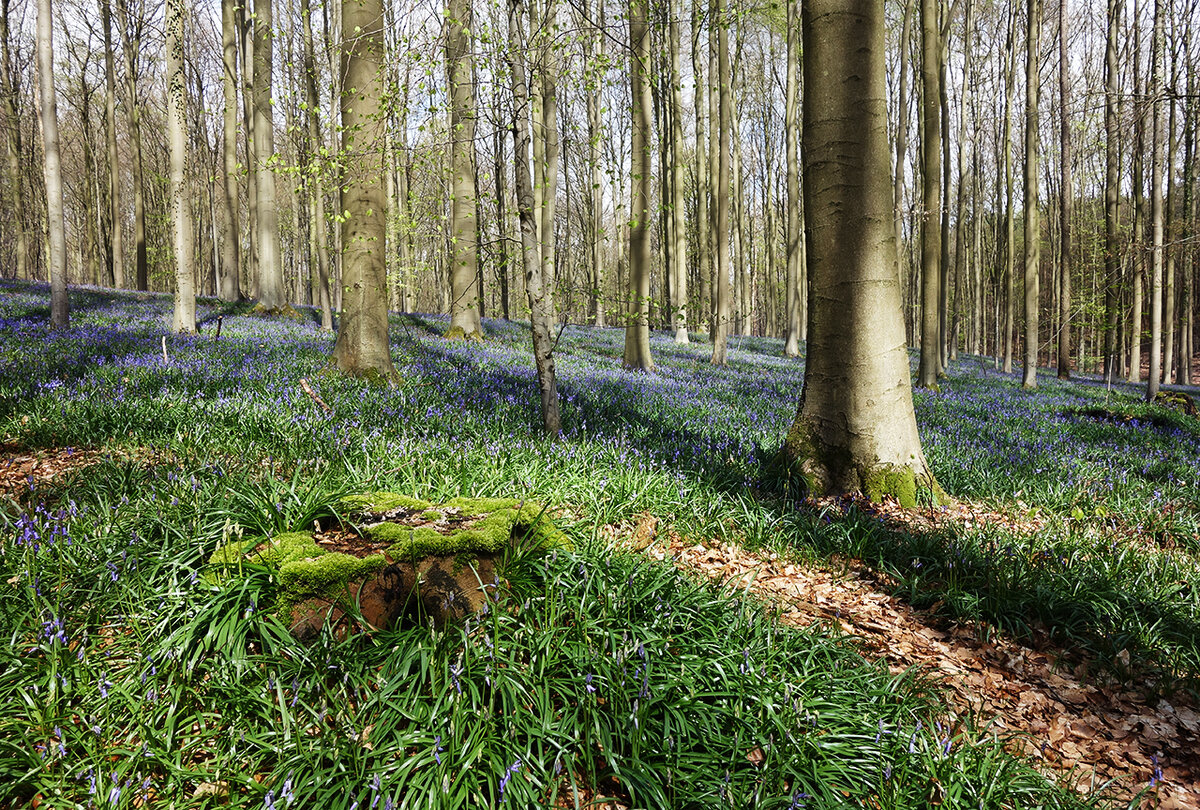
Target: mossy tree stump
391	559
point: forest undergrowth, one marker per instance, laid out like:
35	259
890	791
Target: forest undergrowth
623	672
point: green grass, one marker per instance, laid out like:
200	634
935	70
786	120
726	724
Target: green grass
128	677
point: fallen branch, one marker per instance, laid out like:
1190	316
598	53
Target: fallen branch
306	388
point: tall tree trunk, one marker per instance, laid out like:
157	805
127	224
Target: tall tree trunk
1032	228
13	152
594	56
1066	192
1170	234
116	251
855	430
184	317
272	296
1191	217
899	175
966	140
465	319
1010	238
679	270
637	332
502	262
703	177
722	137
1137	260
791	346
48	114
541	300
1156	203
130	46
931	201
548	168
230	284
362	347
315	177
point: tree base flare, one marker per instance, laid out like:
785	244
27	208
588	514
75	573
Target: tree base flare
806	470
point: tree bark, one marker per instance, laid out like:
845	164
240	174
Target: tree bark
465	321
116	250
855	431
13	152
1010	238
130	47
594	56
272	296
184	317
1154	378
541	301
637	331
931	200
679	270
1066	192
316	173
362	348
721	203
791	346
703	177
1032	227
48	114
230	283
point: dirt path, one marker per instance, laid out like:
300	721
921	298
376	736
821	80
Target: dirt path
1088	733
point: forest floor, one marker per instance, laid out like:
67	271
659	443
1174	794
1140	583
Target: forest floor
1052	703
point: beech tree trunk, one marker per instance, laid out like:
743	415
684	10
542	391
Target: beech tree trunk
272	296
931	196
116	249
230	282
184	317
362	348
637	331
541	300
721	137
9	89
1154	379
855	431
130	47
48	115
793	293
679	270
1066	193
314	180
465	321
1033	240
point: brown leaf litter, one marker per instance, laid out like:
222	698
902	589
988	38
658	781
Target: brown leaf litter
1084	732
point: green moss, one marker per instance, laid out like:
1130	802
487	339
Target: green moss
458	333
431	514
383	502
325	575
898	482
496	521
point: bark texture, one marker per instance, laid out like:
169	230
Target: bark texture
855	430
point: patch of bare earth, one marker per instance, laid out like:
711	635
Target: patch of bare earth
1086	732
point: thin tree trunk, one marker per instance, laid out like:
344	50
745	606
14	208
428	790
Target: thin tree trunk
679	270
722	202
931	202
541	300
637	332
184	317
230	284
703	178
465	321
116	254
791	346
48	114
1156	203
898	174
272	296
1010	238
1066	193
13	152
131	46
315	176
1032	228
594	56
